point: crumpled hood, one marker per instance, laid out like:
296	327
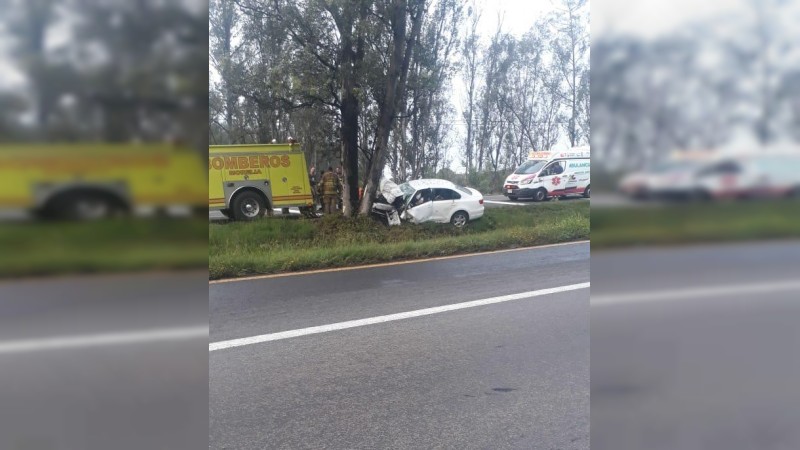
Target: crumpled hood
389	189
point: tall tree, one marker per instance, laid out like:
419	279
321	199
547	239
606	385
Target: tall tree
223	19
471	65
403	45
570	53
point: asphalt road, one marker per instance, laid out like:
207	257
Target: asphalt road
104	362
696	347
504	375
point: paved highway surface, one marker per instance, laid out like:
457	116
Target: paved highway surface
504	375
104	362
696	347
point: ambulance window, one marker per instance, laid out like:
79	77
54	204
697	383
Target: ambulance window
727	167
556	168
530	167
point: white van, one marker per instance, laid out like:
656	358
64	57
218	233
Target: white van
551	174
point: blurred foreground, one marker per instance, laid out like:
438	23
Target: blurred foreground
696	347
114	361
695	110
103	113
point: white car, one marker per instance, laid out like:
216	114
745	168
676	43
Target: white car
432	200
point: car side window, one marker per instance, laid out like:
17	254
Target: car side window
421	197
441	194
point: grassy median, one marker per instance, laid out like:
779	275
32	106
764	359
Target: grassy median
284	245
695	222
107	246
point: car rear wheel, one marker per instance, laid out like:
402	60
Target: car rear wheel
247	206
540	195
459	219
587	193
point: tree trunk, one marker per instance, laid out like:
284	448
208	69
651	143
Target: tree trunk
395	86
349	159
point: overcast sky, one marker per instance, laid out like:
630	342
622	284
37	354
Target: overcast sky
652	18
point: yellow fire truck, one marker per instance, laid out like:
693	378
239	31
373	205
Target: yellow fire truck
91	181
247	181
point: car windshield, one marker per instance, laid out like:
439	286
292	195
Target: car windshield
408	191
464	190
530	167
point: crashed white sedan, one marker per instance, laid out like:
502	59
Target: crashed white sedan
433	200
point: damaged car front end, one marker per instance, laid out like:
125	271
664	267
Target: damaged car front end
427	200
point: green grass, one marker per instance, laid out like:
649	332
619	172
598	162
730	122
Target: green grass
275	245
106	246
698	222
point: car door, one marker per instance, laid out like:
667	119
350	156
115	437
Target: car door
420	206
444	204
552	177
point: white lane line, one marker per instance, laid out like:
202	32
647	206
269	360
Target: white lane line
97	340
695	293
504	203
220	345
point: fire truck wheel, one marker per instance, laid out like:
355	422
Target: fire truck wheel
248	205
84	205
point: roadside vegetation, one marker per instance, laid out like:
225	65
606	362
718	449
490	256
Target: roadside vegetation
697	222
285	245
31	249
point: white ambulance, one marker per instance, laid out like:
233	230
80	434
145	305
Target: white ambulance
551	174
763	173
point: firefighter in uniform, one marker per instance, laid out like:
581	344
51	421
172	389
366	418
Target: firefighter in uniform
329	188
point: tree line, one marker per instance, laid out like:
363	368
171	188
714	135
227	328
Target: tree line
699	87
376	85
98	70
